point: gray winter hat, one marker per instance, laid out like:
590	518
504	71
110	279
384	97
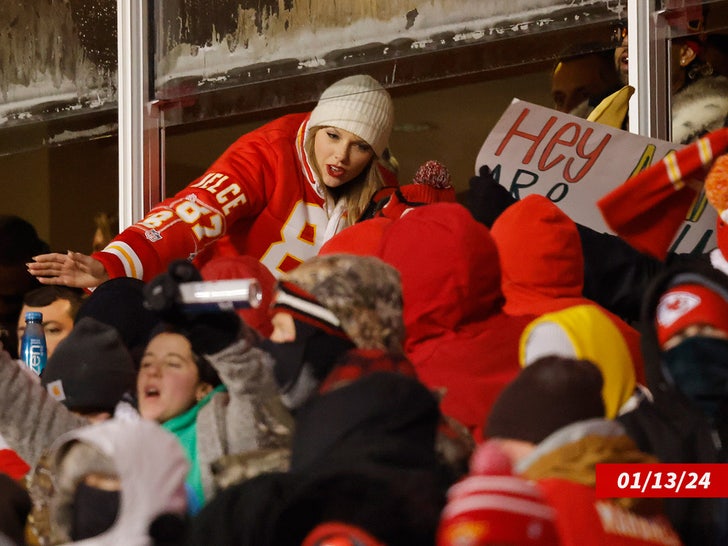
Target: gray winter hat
362	292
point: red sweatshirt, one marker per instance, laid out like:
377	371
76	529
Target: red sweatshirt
543	265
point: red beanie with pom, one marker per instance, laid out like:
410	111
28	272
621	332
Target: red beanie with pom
431	183
483	510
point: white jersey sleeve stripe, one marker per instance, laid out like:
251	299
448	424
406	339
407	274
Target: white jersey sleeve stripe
132	264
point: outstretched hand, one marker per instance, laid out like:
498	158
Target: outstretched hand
71	269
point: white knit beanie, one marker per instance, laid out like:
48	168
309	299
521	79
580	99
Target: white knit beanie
360	105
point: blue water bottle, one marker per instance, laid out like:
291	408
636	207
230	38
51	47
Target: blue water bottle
33	349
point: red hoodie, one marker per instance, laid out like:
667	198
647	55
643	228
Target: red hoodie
458	336
543	265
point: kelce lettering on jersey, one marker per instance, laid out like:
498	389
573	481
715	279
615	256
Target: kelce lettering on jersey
231	195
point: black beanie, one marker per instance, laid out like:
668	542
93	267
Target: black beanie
91	369
547	395
119	303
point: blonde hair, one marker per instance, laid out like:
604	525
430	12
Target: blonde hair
357	192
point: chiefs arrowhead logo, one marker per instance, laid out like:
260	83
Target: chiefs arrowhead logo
675	305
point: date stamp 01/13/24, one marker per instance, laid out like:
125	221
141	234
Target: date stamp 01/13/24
661	480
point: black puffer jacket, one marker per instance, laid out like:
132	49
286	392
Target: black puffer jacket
671	427
363	453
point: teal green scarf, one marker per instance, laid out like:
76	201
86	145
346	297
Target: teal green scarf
184	427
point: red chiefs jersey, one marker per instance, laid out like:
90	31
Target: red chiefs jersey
259	198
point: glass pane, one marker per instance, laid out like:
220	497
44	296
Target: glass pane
58	145
221	58
57	69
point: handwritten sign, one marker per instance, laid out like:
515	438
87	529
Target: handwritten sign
574	162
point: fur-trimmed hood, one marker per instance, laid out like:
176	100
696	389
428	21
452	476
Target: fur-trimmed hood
699	108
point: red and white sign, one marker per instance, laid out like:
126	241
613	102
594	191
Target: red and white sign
574	162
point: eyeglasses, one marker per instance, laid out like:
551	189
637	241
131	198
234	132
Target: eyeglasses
619	33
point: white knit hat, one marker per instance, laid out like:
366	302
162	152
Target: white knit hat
360	105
